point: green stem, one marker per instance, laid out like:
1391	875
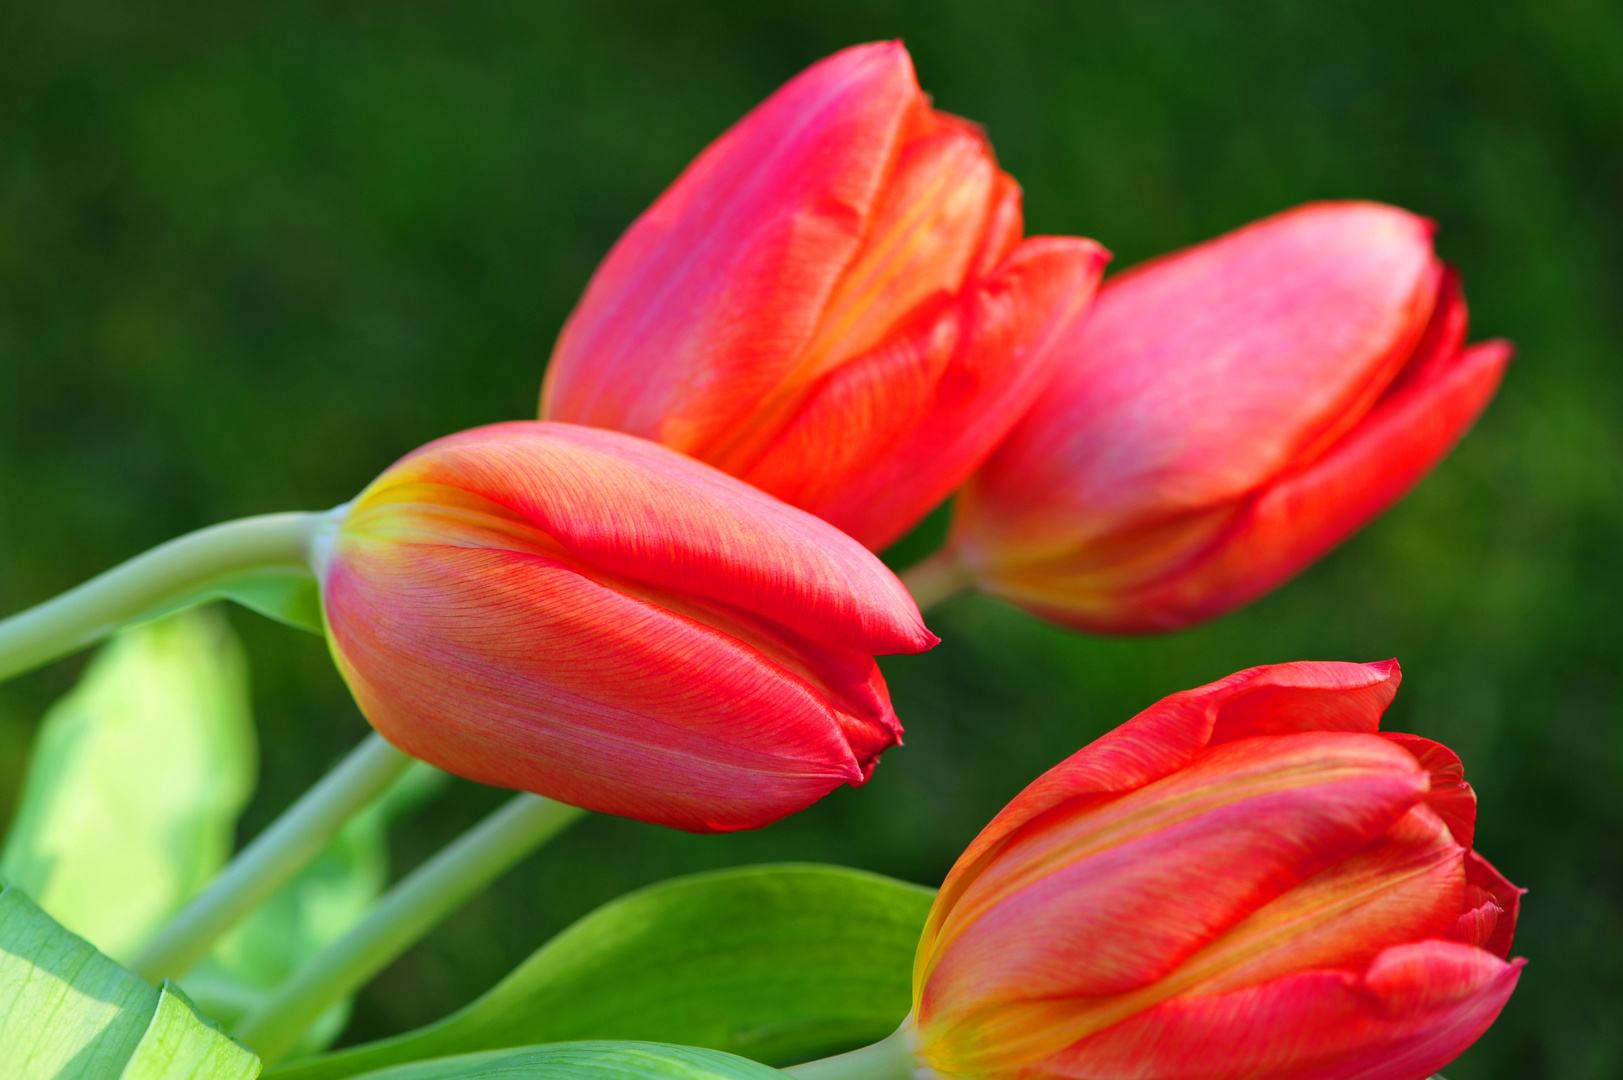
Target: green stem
937	579
890	1058
407	912
275	855
183	568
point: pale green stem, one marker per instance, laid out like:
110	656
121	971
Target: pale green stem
890	1058
937	579
183	568
407	912
275	855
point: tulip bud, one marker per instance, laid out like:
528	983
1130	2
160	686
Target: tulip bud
833	302
1224	417
1245	880
595	618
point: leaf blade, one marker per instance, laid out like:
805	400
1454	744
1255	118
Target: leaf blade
586	1061
181	1044
135	782
775	963
66	1011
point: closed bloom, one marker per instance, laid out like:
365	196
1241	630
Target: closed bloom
833	302
1225	416
598	619
1247	880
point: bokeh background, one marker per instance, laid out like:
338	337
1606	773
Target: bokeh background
250	253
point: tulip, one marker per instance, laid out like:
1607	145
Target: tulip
595	618
1247	880
833	303
1225	416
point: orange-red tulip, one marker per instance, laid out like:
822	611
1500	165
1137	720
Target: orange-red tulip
1244	882
833	302
598	619
1225	416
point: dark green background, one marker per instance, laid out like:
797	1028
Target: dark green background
250	253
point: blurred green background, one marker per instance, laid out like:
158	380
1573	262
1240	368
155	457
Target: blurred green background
249	254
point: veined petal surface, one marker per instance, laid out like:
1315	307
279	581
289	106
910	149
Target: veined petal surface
601	620
1246	880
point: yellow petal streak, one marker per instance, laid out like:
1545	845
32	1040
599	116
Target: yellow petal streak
388	520
1218	778
1405	887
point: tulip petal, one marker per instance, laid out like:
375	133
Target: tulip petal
1411	1013
1406	886
709	299
518	671
887	436
599	619
1296	521
1199	377
1126	892
1310	695
646	513
917	248
1451	798
1480	874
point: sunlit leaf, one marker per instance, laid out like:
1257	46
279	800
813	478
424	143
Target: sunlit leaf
181	1044
68	1012
586	1061
776	963
135	782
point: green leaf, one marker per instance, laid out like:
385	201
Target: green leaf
68	1012
586	1061
287	594
776	963
324	900
181	1044
135	782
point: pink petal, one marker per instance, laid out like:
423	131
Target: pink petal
707	301
1202	376
1288	526
1412	1012
1451	798
520	671
1302	696
1115	898
886	437
646	513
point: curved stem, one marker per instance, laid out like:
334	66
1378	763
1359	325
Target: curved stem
408	911
169	573
273	857
937	579
890	1058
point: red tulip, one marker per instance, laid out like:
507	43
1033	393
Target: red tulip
1246	880
833	302
1225	416
598	619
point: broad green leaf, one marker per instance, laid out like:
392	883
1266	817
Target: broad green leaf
181	1044
776	963
310	912
586	1061
68	1012
135	782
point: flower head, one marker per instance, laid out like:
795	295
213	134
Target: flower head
1247	880
1225	416
833	302
598	619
